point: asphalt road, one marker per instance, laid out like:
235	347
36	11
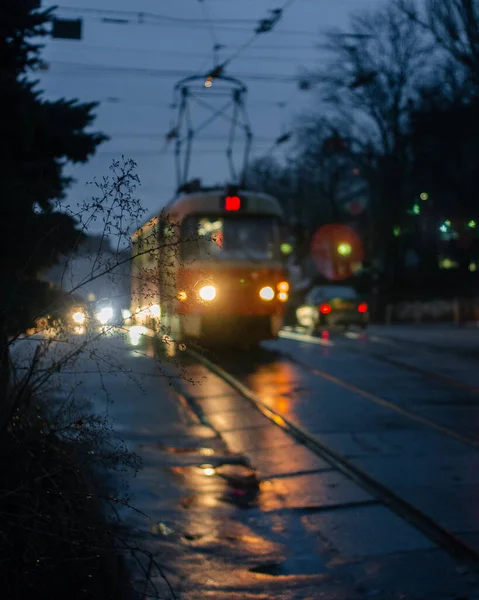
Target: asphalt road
237	507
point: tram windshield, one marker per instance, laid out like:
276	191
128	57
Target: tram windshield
231	237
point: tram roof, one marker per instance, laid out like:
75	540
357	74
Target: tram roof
206	200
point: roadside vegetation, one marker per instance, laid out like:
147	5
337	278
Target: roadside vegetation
60	463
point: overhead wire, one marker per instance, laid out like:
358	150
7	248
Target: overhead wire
264	26
212	30
165	20
142	14
88	69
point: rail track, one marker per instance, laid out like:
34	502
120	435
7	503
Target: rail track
450	542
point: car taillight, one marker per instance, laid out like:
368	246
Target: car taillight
325	309
362	308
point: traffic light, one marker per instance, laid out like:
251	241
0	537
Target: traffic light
67	29
345	249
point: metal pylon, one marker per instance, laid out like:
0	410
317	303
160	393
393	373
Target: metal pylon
204	90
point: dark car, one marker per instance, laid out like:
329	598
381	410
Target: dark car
329	306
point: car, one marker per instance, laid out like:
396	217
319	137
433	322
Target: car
328	306
105	312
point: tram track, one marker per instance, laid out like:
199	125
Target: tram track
451	543
432	375
413	416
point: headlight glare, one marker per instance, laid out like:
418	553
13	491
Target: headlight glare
266	293
79	317
105	315
207	293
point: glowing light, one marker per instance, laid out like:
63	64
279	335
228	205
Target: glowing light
447	263
443	228
424	196
232	203
447	223
266	293
363	307
91	297
283	286
471	224
208	470
105	315
79	317
208	82
207	293
155	311
126	314
286	248
182	296
325	309
207	451
472	267
345	249
397	231
416	209
283	296
135	333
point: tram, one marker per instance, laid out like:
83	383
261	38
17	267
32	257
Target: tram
209	267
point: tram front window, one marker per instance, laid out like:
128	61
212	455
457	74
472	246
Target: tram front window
223	238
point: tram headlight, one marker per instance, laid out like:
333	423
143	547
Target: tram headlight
266	293
207	293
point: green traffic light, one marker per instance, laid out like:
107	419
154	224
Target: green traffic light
286	248
345	249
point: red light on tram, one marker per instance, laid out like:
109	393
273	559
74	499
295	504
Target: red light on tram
325	309
363	307
232	203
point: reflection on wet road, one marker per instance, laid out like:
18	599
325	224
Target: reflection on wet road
238	508
413	432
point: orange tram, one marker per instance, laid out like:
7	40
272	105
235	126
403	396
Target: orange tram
209	267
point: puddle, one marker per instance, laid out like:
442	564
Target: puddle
294	566
172	450
225	481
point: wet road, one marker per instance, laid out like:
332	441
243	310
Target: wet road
238	508
407	415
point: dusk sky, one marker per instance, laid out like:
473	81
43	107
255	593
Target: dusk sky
132	67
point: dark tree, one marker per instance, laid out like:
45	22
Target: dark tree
454	25
37	139
368	87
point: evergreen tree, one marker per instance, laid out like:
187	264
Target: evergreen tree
37	139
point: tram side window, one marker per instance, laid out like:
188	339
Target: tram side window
201	237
